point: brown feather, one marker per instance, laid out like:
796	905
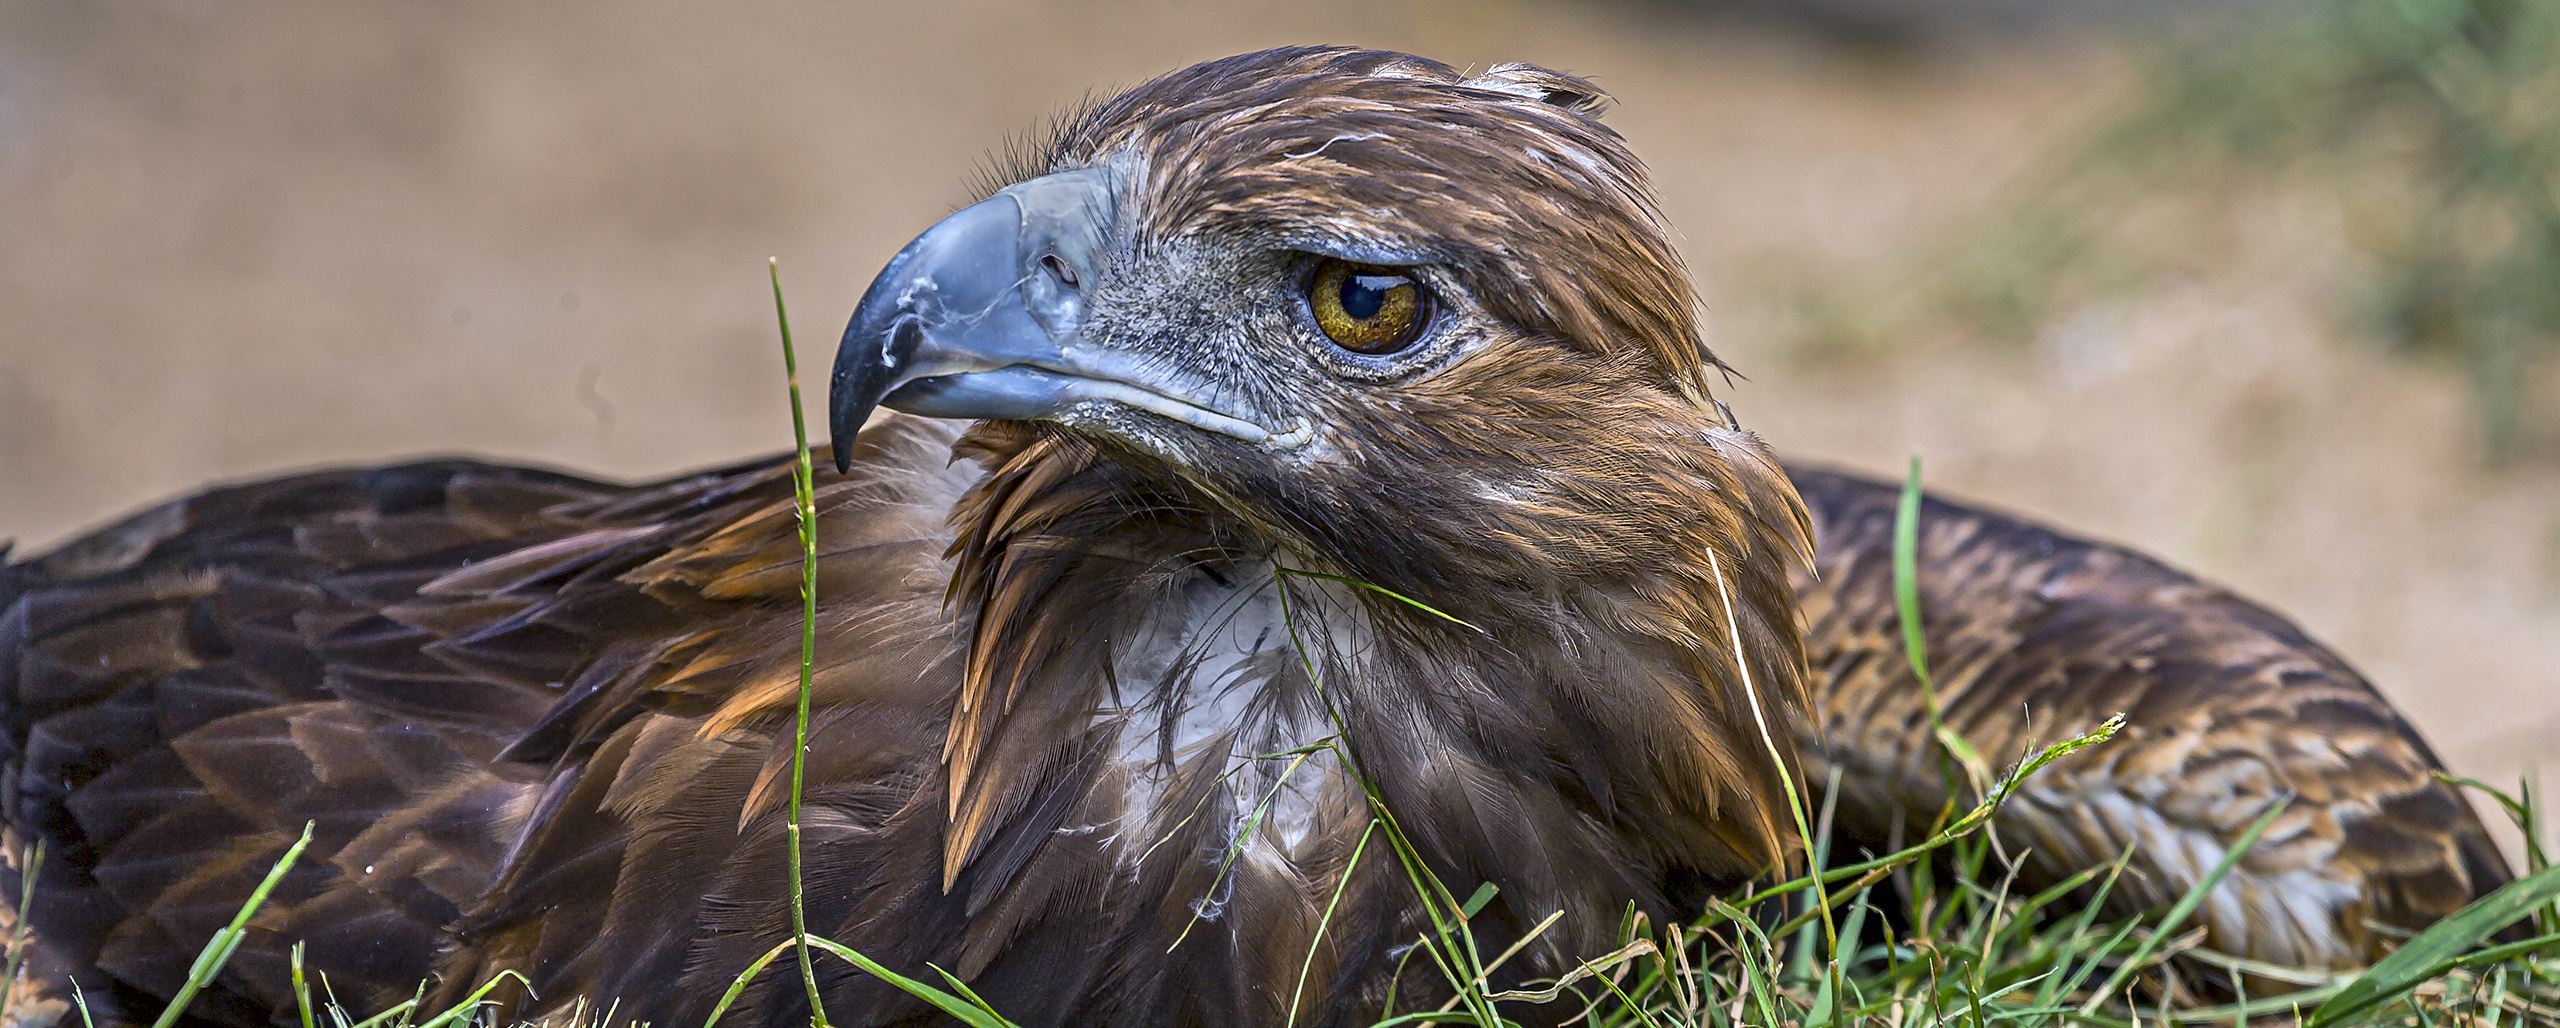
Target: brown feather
2034	636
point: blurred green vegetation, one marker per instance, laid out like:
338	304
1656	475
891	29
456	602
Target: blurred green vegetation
2433	126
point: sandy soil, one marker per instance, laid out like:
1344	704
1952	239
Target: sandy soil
240	239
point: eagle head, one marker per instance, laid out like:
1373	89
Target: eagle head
1396	326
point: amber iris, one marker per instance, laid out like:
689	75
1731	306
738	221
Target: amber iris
1366	309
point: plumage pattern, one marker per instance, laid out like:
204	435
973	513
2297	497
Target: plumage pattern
542	722
2035	636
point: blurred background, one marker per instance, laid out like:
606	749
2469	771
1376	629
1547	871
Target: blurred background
2266	288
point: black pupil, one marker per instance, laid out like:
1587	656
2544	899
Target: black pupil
1363	295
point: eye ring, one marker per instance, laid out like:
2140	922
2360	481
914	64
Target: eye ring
1367	309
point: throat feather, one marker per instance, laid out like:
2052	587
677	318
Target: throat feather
1211	681
1132	664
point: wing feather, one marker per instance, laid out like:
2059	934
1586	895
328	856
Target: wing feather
357	649
2034	636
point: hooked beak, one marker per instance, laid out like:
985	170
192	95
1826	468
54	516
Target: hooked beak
979	318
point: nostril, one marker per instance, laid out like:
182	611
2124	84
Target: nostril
1058	266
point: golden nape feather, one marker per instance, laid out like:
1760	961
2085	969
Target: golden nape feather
1122	633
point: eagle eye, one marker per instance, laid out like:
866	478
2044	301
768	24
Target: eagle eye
1367	309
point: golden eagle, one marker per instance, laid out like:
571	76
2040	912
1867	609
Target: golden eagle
1313	396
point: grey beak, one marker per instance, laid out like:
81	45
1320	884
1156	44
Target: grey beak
975	317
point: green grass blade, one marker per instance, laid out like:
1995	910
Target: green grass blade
2526	811
803	478
965	1011
2439	948
738	984
1759	978
1382	590
473	1002
301	987
388	1015
1434	1017
2185	906
1326	919
2024	917
1310	749
1906	598
33	866
415	998
1235	847
2057	988
1455	942
337	1011
217	950
1906	578
965	992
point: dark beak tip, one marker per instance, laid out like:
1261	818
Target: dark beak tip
844	425
847	406
905	331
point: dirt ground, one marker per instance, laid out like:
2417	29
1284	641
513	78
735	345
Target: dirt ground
236	239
